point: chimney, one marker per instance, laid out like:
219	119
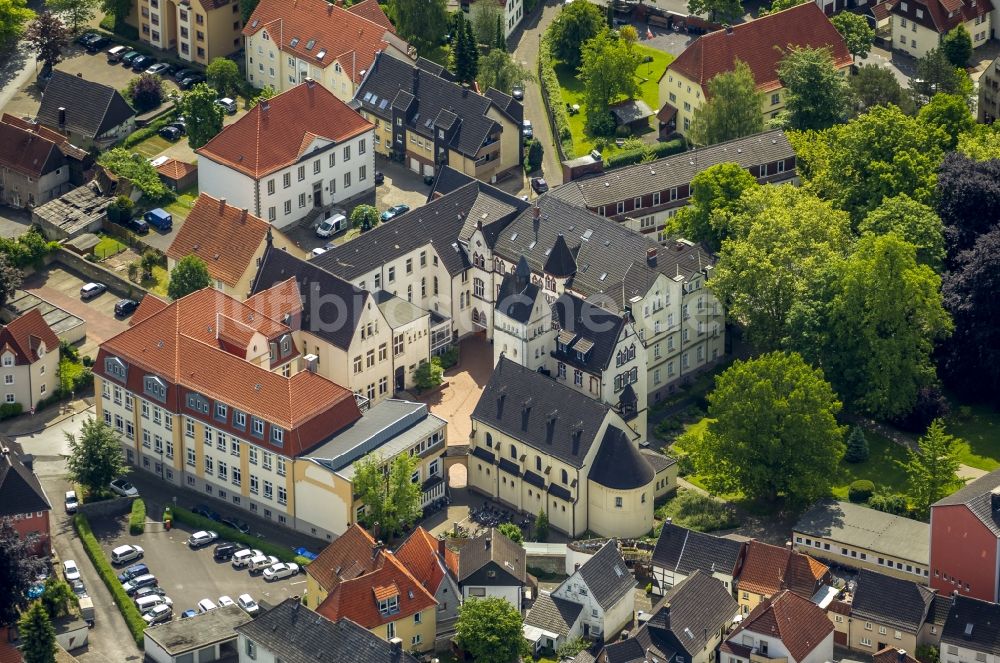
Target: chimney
576	567
310	83
670	520
537	212
416	80
486	543
441	547
729	29
901	655
222	205
243	216
62	117
788	544
651	256
396	645
377	548
264	106
28	460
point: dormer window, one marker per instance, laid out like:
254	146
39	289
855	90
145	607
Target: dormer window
258	427
112	366
155	387
389	604
903	6
8	359
277	436
41	346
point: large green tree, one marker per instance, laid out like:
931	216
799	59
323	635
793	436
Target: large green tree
391	498
576	24
421	22
490	630
76	12
18	567
14	16
732	108
38	636
957	46
873	85
10	279
932	468
203	115
497	69
48	38
857	34
483	17
773	432
936	73
780	238
607	71
714	193
913	221
224	75
816	95
723	11
95	456
146	91
365	217
951	114
137	169
982	143
117	8
190	274
885	315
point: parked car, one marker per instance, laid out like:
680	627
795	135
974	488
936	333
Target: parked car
393	212
227	104
71	570
86	38
180	124
92	290
242	558
160	69
225	600
115	54
126	307
517	92
138	226
236	524
539	185
280	570
125	554
95	45
148	591
122	486
331	225
127	59
205	512
205	605
188	613
142	63
158	614
201	538
226	550
135	584
170	132
148	602
527	131
258	563
72	503
78	587
133	571
190	81
249	606
379	178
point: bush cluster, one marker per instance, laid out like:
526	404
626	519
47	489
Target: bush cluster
137	519
182	515
552	94
8	410
149	130
27	250
131	614
657	151
860	491
698	512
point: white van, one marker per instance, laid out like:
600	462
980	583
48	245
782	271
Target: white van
147	603
205	605
116	53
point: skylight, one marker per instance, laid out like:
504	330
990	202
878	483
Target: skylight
310	44
368	96
255	23
321	55
587	234
294	42
385	102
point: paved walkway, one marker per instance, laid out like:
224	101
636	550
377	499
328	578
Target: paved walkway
29	424
465	383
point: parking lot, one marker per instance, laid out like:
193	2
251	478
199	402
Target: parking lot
189	576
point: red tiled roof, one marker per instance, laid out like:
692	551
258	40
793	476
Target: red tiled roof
942	15
800	624
349	36
176	170
421	554
273	134
150	305
225	237
385	592
28	151
24	336
352	554
761	43
769	569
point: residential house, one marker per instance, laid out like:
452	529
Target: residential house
358	579
988	108
769	569
425	120
207	636
490	564
89	114
314	39
36	163
29	360
435	566
291	634
888	612
782	627
761	44
858	537
197	31
918	26
22	499
687	625
290	157
538	444
644	196
230	240
680	552
971	632
965	540
603	588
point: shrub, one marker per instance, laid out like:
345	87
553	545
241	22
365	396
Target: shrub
133	619
8	410
137	519
449	357
27	250
624	158
860	491
552	95
931	404
893	503
149	130
137	169
429	374
699	512
660	150
649	588
182	515
542	526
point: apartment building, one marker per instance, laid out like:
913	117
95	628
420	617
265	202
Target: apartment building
291	157
424	120
29	360
760	43
198	31
917	26
289	42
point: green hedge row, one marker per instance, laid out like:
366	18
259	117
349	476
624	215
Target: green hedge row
133	619
137	519
149	130
226	532
657	151
552	95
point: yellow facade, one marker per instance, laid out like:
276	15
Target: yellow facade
748	600
194	33
844	554
416	631
916	40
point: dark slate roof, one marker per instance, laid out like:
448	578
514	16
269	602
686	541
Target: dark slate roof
597	326
448	179
611	260
438	223
973	624
339	304
492	546
438	102
297	635
684	551
658	461
507	105
618	464
91	108
607	576
433	67
939	610
516	297
895	602
20	491
539	411
553	614
560	262
977	496
641	647
676	170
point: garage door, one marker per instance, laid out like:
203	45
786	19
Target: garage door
428	170
414	165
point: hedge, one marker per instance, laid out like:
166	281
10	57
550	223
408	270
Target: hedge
149	130
8	410
137	519
552	95
131	614
658	151
182	515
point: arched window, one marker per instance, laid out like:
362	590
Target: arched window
565	476
489	440
538	463
513	452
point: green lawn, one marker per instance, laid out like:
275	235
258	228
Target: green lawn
158	284
182	205
978	426
648	74
108	246
152	146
